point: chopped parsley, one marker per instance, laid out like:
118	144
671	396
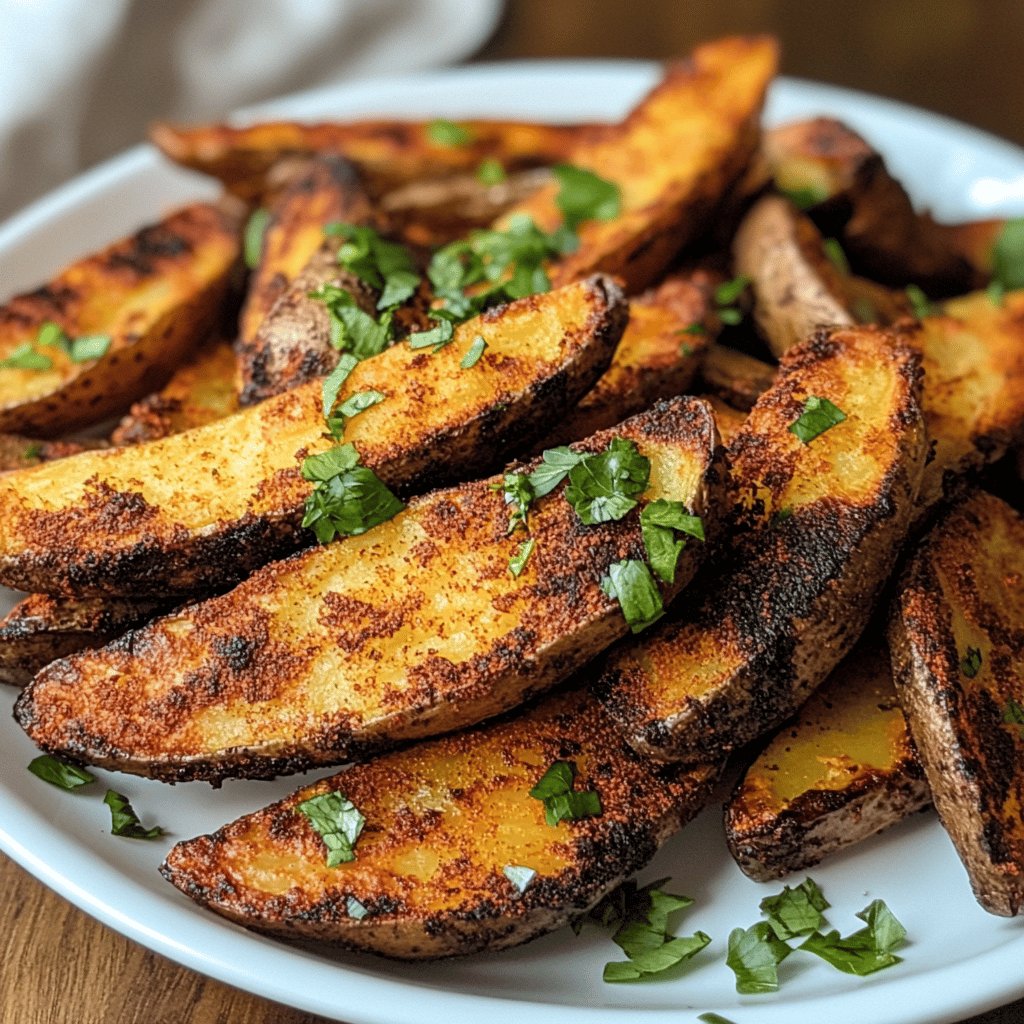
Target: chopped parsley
970	664
473	353
631	584
865	951
252	239
803	197
34	450
1013	713
1008	255
338	822
836	256
26	357
796	911
352	329
82	349
356	910
519	876
385	266
920	304
694	328
449	134
754	957
659	523
996	292
726	296
435	339
553	469
519	494
490	172
561	801
584	196
517	563
124	821
59	773
604	487
818	415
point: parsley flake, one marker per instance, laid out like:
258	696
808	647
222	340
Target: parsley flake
865	951
252	240
449	134
517	563
435	339
1013	713
754	957
553	469
473	353
920	304
1008	254
356	910
383	265
970	665
561	801
804	197
604	487
519	494
659	522
519	876
836	256
337	821
124	821
333	383
82	349
59	773
726	295
352	329
631	584
584	196
490	172
795	911
819	415
25	357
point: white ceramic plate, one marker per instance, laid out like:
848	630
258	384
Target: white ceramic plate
959	960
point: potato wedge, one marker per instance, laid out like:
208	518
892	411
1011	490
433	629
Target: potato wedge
824	518
18	452
843	770
389	154
727	419
201	391
735	377
41	629
154	295
957	641
325	190
199	510
674	159
796	288
416	628
444	820
656	358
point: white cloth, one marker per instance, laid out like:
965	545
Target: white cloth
81	79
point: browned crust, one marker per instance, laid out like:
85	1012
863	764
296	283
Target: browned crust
452	798
735	377
962	589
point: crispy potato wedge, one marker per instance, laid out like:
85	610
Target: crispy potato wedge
444	820
727	419
853	195
324	190
796	288
824	518
735	377
389	154
200	509
656	357
201	391
416	628
957	641
41	629
674	159
155	295
843	770
18	452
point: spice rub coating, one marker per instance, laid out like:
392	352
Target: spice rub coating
443	820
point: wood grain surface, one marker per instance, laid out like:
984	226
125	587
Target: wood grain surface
959	57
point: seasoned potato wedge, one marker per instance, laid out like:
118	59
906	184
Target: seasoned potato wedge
734	376
389	154
41	629
154	295
843	770
796	288
957	640
413	629
825	517
444	820
201	391
200	509
18	452
657	357
326	189
727	419
674	159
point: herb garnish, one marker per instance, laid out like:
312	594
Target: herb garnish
754	957
124	821
490	172
604	487
1013	713
517	563
659	522
865	951
631	584
713	1018
796	911
727	295
352	329
519	876
519	494
252	239
449	134
584	195
473	353
1008	255
59	773
25	357
970	665
834	252
921	305
356	910
803	197
337	821
383	265
561	801
818	415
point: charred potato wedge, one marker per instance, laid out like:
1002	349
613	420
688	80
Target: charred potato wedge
201	509
389	154
201	391
843	770
823	519
674	159
796	288
727	419
957	640
735	377
154	295
41	629
416	628
444	820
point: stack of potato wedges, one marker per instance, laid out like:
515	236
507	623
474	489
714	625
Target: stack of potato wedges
805	437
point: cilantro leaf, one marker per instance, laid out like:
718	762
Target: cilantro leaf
252	240
519	876
818	416
124	821
473	353
865	951
754	957
554	468
795	911
337	821
631	584
449	134
490	172
25	357
970	664
1008	254
59	773
604	487
517	563
561	801
584	195
658	521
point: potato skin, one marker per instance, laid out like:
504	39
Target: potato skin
735	377
416	628
798	588
155	294
443	819
962	590
201	509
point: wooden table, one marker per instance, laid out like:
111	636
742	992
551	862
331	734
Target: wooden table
958	57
